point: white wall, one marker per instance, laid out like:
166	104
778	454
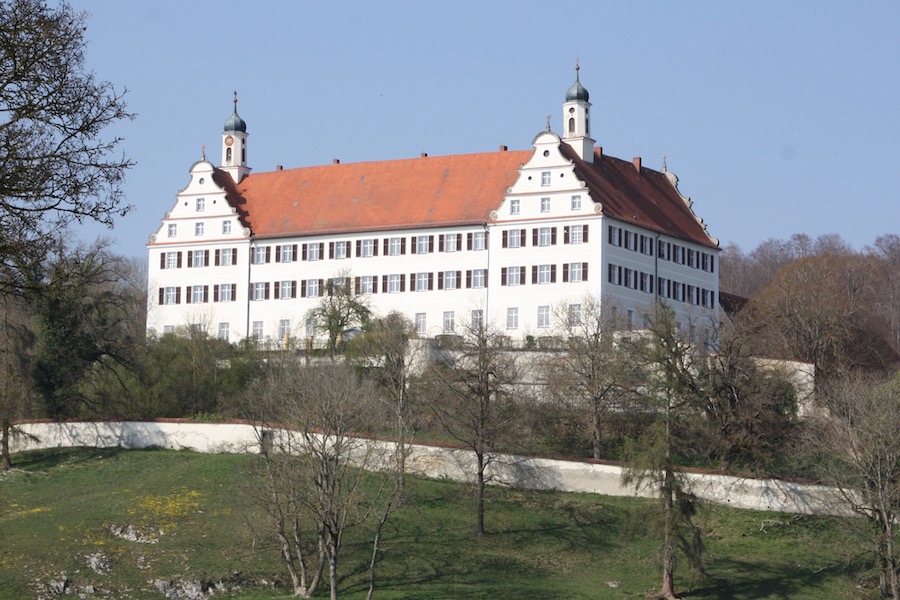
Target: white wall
443	463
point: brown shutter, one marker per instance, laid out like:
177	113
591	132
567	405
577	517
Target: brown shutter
458	279
469	272
205	293
402	280
402	249
305	252
266	296
553	236
303	288
278	255
268	254
412	282
375	246
206	258
190	259
552	273
384	285
330	249
431	243
441	243
566	234
534	274
188	295
584	231
294	289
386	250
565	272
234	256
413	249
178	295
178	262
294	253
359	247
356	283
430	281
522	274
505	243
277	292
469	241
215	293
162	295
440	280
534	236
584	272
503	275
162	260
375	284
218	257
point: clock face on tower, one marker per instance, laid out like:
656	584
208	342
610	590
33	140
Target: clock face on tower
229	140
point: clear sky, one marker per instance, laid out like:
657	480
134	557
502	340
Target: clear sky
778	117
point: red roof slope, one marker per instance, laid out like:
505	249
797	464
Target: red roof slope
647	199
396	194
442	190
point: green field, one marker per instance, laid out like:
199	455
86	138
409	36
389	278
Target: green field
68	512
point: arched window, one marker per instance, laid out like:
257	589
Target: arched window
571	125
228	155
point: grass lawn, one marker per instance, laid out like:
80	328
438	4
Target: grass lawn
121	521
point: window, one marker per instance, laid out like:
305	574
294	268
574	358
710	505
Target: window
449	321
574	314
421	326
451	242
224	331
198	229
421	282
512	318
287	289
226	257
576	202
511	275
287	253
545	205
168	329
200	258
226	227
170	295
224	292
662	250
629	319
543	317
615	236
339	250
312	251
543	272
576	234
476	319
199	294
260	255
646	283
576	272
393	284
172	230
479	240
258	331
309	327
367	284
646	245
479	278
513	238
423	244
395	246
515	206
172	260
261	290
545	236
312	288
450	280
545	178
367	248
200	204
615	275
284	329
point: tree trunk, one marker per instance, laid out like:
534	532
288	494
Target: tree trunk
332	575
4	442
598	436
669	540
479	528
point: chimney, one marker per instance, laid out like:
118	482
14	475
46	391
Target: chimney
335	161
279	168
503	148
423	155
637	164
600	151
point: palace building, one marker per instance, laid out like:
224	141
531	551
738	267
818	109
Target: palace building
512	239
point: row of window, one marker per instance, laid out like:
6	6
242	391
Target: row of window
199	226
676	253
544	236
665	288
515	205
224	257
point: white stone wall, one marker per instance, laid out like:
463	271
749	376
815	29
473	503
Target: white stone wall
443	463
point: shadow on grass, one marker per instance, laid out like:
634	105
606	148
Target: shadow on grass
746	579
48	458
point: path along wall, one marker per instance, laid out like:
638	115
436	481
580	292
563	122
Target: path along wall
440	463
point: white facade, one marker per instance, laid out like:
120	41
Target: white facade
548	242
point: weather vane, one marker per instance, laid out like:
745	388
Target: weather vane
548	122
203	152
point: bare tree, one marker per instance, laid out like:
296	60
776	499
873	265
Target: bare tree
887	251
317	454
16	351
857	443
592	368
56	168
470	396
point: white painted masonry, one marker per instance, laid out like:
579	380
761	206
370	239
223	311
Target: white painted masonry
441	463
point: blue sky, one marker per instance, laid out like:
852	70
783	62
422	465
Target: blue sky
778	117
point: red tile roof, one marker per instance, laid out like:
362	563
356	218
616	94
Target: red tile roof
395	194
440	191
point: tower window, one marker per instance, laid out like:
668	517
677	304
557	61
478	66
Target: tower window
227	155
571	125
